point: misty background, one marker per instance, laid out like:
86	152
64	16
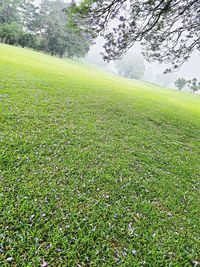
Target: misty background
189	70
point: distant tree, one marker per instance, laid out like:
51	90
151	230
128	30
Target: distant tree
168	30
180	83
9	11
10	33
10	27
14	18
194	85
58	39
131	66
149	74
43	28
75	44
28	40
94	57
28	13
165	79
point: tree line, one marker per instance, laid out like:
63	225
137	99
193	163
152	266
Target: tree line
41	28
193	85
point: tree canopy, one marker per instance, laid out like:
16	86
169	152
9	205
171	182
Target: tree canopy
168	30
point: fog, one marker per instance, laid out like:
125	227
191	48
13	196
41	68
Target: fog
189	70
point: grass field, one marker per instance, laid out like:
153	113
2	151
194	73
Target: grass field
95	170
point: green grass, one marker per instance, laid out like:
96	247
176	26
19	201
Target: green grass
95	170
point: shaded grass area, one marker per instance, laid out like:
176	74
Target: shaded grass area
95	170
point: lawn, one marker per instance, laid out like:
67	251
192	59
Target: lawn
95	170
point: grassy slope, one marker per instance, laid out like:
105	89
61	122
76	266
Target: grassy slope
95	170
